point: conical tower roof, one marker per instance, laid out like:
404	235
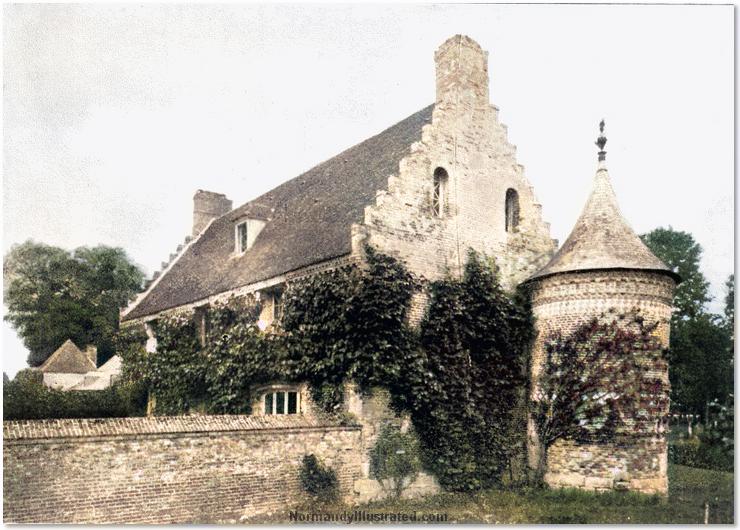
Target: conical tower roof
601	238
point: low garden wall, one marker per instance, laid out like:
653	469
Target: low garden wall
166	469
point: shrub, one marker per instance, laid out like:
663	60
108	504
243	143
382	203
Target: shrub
317	480
395	458
26	398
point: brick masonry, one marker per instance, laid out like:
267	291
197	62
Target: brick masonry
562	302
467	140
192	469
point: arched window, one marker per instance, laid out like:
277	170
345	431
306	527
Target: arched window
439	196
512	209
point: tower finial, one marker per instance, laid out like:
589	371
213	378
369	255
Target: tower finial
601	142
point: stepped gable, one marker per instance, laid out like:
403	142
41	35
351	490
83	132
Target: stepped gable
310	220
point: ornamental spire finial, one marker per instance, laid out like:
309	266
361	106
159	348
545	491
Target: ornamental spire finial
601	142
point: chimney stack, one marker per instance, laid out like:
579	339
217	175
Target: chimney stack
462	73
208	205
92	354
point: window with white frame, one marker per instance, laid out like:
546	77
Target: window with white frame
282	402
241	237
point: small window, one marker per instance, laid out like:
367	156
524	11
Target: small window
241	237
277	305
439	193
512	210
282	402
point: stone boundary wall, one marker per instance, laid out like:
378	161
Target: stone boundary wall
187	469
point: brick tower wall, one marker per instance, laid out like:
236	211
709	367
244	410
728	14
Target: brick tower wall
561	303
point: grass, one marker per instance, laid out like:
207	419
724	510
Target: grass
689	489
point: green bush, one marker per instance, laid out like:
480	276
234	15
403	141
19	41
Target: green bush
395	458
318	480
26	398
695	453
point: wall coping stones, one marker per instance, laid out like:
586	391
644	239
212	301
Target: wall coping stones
60	429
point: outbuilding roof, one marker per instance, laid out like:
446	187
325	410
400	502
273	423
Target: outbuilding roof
68	359
309	221
602	239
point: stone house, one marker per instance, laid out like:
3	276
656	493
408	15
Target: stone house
425	190
69	368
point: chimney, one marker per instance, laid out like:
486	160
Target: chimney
208	205
92	354
462	73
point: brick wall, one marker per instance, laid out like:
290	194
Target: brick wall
561	303
166	469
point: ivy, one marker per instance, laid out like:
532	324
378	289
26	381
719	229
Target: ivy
474	340
240	356
350	324
604	381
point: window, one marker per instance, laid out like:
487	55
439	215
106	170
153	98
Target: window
241	237
282	402
512	209
277	305
439	193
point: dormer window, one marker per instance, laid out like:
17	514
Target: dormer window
246	230
241	237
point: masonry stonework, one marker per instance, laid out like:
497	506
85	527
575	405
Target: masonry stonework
561	303
466	139
195	469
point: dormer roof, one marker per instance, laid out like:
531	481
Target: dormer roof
601	239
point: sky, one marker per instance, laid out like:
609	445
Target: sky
115	114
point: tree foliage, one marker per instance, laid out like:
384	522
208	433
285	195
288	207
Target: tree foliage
53	295
27	398
682	254
702	344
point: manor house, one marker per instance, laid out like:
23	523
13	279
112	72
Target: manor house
425	190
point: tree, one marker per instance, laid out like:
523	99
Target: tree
53	295
730	304
701	364
682	254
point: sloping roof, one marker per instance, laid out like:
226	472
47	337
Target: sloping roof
68	359
602	239
112	365
310	221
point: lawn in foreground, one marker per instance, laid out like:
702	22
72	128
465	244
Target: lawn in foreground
689	488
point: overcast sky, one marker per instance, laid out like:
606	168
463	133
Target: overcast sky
114	115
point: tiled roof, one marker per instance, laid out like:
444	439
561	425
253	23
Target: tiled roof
310	222
68	359
602	239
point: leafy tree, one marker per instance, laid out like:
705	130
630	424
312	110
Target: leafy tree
730	304
53	295
702	346
701	360
682	254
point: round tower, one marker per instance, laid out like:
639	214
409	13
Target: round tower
602	266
